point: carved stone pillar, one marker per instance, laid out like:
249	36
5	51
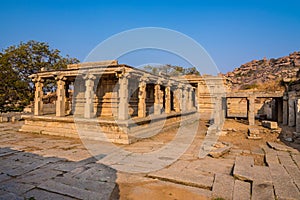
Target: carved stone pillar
178	97
142	98
298	115
168	98
157	100
285	110
89	96
123	98
291	105
61	96
218	112
190	98
184	100
38	96
251	112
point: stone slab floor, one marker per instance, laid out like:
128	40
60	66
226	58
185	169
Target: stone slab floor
36	166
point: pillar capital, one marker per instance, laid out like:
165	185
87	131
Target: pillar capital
89	76
36	79
144	79
60	78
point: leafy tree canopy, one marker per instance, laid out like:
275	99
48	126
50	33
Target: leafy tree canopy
171	70
20	61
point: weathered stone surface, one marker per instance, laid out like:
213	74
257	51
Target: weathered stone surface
223	186
99	186
290	166
242	190
242	168
10	196
211	165
284	187
262	190
38	176
280	147
68	190
271	159
184	177
17	188
3	119
261	174
296	158
218	152
258	151
270	124
253	133
42	194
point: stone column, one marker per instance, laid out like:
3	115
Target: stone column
157	100
298	116
199	90
279	110
38	96
142	98
178	97
168	99
184	100
292	117
61	96
89	96
224	108
218	112
123	96
251	114
285	110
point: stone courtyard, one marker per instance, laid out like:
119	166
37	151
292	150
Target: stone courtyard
50	167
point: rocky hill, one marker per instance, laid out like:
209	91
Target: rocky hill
264	74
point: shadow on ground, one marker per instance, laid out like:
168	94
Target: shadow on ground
30	176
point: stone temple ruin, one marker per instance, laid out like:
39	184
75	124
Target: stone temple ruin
124	102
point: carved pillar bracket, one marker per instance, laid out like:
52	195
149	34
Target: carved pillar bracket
89	95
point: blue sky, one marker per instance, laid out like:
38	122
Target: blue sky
232	32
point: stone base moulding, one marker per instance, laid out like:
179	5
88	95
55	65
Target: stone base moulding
120	131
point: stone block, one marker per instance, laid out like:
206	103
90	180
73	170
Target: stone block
186	177
262	190
280	147
284	186
63	189
270	124
223	186
243	168
218	152
253	133
242	190
4	119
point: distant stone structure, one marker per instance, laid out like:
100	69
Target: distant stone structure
291	105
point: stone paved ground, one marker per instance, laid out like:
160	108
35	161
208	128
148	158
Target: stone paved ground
46	167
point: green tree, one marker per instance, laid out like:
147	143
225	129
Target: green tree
17	63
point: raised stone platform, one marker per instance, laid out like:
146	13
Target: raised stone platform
116	131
